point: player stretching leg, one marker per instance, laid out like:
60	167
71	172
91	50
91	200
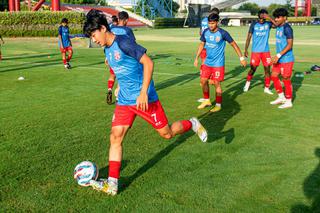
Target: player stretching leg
137	96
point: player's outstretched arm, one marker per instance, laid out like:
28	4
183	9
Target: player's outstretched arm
249	36
201	46
142	100
289	46
274	23
238	51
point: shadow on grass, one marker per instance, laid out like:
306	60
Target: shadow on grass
27	66
177	80
29	56
296	83
311	189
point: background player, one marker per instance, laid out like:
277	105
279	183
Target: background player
214	40
0	47
137	95
65	43
284	60
259	31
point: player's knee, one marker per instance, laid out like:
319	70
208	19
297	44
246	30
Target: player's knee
203	82
116	134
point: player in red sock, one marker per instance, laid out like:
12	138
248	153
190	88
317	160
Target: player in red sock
259	32
214	40
284	60
137	96
65	43
0	47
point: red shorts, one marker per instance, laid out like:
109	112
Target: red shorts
285	69
125	115
111	71
64	50
264	57
212	73
203	54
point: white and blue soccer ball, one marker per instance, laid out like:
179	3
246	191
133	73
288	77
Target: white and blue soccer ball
84	172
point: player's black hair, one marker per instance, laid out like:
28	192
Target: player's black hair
280	12
114	19
123	15
214	10
262	11
95	19
64	20
213	17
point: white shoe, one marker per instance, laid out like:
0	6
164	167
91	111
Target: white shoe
278	101
199	129
200	100
267	91
246	86
66	66
287	104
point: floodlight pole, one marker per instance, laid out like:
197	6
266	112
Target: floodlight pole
17	5
12	5
55	4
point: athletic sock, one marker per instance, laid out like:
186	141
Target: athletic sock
206	95
114	169
218	100
288	88
186	125
64	61
110	84
277	84
267	81
249	77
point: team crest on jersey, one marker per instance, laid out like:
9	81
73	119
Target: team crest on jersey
217	38
117	55
262	28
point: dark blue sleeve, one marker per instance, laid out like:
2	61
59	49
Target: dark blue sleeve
60	30
130	47
288	32
251	29
226	36
270	24
203	38
130	34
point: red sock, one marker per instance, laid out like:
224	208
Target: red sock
288	89
249	77
218	99
186	125
277	84
64	61
69	58
267	81
206	95
110	84
114	169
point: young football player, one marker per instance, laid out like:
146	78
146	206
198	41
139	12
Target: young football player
65	43
259	31
284	60
214	40
137	96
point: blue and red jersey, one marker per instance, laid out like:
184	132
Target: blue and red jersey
260	36
122	30
215	43
124	58
283	33
64	33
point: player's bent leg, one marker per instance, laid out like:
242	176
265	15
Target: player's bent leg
70	52
267	80
277	85
206	93
288	93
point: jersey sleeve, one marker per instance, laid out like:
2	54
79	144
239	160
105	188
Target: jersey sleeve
226	36
203	38
251	29
130	34
131	48
288	32
60	30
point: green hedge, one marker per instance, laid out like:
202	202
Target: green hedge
168	22
38	23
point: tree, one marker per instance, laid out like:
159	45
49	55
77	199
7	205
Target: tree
252	7
273	7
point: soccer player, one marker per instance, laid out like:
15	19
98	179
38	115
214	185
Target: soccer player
65	43
214	40
284	60
203	27
137	95
259	31
114	21
0	47
119	29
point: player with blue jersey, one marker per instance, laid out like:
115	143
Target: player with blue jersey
203	26
259	31
137	95
118	29
284	60
65	43
214	40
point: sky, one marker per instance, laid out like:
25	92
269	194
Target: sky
267	2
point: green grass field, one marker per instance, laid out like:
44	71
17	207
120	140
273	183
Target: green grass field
258	158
